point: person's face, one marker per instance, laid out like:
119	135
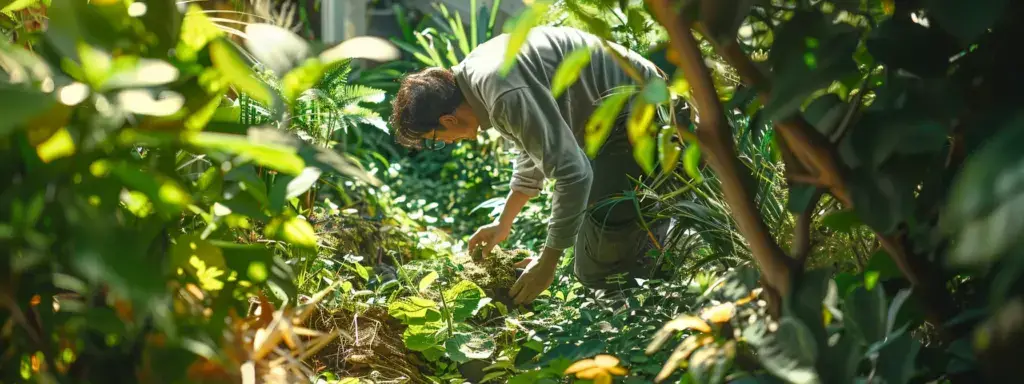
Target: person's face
460	125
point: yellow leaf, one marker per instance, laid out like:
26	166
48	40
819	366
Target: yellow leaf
580	366
618	371
603	378
606	361
591	373
57	146
751	297
640	119
720	313
687	322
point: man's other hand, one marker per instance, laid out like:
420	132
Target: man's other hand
538	276
487	237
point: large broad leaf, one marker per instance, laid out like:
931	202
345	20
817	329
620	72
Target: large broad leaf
464	300
272	155
986	202
291	229
323	158
277	48
931	48
880	135
19	104
524	23
896	362
865	313
227	60
790	352
668	150
569	70
599	127
825	113
841	360
463	347
414	310
808	54
966	20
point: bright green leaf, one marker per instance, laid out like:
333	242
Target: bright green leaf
643	152
691	161
656	91
196	32
227	60
293	230
668	150
525	22
57	146
599	126
271	155
426	281
569	70
841	221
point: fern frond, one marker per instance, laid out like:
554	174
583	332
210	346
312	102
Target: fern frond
335	76
358	114
355	94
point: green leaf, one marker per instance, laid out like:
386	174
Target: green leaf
865	313
668	150
463	347
599	127
253	262
287	187
841	221
966	21
19	104
825	113
638	127
808	54
293	230
271	155
842	360
226	59
644	150
414	309
880	135
800	196
524	23
897	360
277	48
300	79
656	91
984	204
189	246
790	352
464	300
722	19
17	5
691	162
569	70
196	32
426	281
168	196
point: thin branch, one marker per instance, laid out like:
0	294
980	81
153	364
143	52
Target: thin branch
851	109
802	231
715	136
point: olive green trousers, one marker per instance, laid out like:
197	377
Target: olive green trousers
612	244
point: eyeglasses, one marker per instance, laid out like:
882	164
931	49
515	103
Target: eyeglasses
433	143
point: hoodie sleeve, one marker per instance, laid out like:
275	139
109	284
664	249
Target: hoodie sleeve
548	149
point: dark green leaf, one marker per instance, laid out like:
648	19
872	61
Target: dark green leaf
19	104
569	70
722	19
800	196
896	361
841	221
825	113
865	313
841	361
808	54
985	201
966	20
791	352
931	48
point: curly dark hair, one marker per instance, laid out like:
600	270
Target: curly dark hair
423	97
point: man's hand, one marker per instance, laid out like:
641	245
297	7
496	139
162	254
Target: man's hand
487	237
537	277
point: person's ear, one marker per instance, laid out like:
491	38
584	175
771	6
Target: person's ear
448	121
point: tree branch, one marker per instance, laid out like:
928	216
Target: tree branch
715	135
802	231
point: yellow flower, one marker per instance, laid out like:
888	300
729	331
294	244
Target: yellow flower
600	369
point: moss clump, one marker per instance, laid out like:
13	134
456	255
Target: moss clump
494	273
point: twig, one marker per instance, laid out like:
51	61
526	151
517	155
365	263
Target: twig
715	136
851	109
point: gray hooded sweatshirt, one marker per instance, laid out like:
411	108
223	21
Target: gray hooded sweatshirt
548	132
